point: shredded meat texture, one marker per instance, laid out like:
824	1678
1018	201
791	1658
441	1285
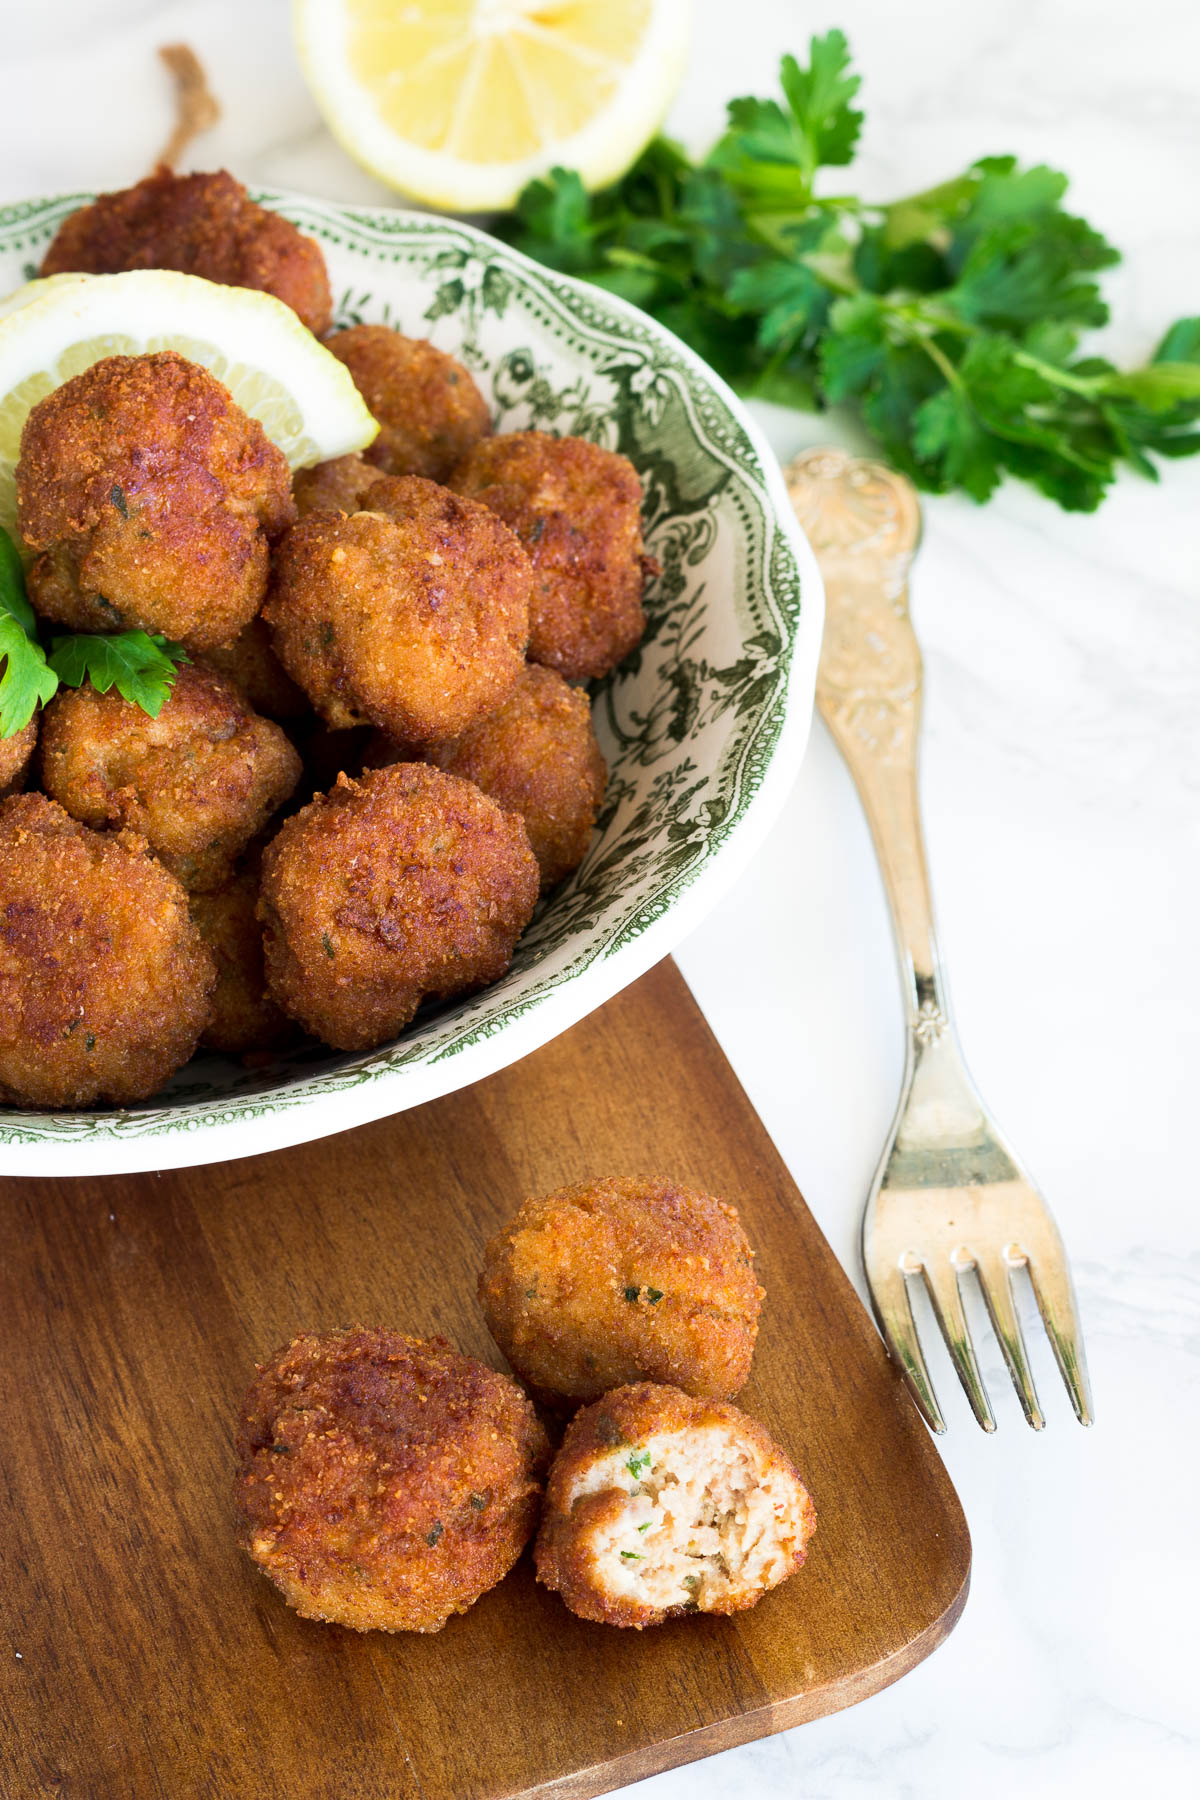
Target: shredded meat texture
198	782
340	485
244	1019
536	755
201	224
659	1504
406	886
429	409
152	499
412	617
255	670
16	754
622	1280
104	980
385	1482
577	510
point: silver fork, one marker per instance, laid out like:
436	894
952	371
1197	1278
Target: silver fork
949	1200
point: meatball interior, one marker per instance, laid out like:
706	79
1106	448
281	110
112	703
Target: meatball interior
622	1280
429	409
385	1482
659	1504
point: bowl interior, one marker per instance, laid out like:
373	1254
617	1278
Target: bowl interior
691	721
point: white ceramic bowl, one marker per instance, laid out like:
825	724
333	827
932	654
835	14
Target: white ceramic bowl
704	726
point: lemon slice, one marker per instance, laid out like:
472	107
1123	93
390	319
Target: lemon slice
273	366
460	102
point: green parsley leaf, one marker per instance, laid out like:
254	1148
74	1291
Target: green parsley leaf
637	1462
141	668
25	680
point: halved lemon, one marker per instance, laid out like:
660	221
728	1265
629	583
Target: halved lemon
459	103
272	365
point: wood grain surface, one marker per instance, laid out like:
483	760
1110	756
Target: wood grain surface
148	1660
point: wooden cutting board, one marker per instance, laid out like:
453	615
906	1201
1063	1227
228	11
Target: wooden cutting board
148	1660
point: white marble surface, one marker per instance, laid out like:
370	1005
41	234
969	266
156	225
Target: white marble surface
1061	780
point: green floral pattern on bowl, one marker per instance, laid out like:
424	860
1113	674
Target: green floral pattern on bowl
708	714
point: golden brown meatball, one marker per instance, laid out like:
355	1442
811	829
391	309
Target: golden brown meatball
201	225
16	754
660	1504
197	783
255	670
340	485
619	1280
244	1018
429	409
104	980
577	510
385	1482
151	497
407	885
536	755
412	617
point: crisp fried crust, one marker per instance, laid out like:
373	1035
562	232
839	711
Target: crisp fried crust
385	1482
577	510
104	980
412	617
255	670
152	499
407	885
429	409
244	1019
16	754
201	225
660	1504
625	1279
198	782
340	485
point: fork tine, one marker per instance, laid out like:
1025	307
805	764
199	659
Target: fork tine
1056	1302
893	1309
942	1282
994	1279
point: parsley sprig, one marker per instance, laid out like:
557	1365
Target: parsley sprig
141	667
950	319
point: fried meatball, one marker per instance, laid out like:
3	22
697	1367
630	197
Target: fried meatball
659	1504
197	783
619	1280
16	754
536	755
408	885
577	510
385	1482
255	670
412	617
244	1018
340	485
200	225
430	411
104	980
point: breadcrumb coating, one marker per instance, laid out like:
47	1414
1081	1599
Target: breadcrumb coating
244	1019
429	409
16	754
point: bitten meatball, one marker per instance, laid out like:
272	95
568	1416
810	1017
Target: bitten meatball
201	225
430	411
385	1482
408	885
16	754
340	485
624	1279
536	755
243	1018
577	510
104	980
255	670
660	1504
198	782
152	498
412	616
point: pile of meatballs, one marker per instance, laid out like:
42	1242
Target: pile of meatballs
386	1482
395	637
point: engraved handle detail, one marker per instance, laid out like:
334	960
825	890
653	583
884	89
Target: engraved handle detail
864	523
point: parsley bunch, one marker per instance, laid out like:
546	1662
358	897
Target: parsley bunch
950	319
140	667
